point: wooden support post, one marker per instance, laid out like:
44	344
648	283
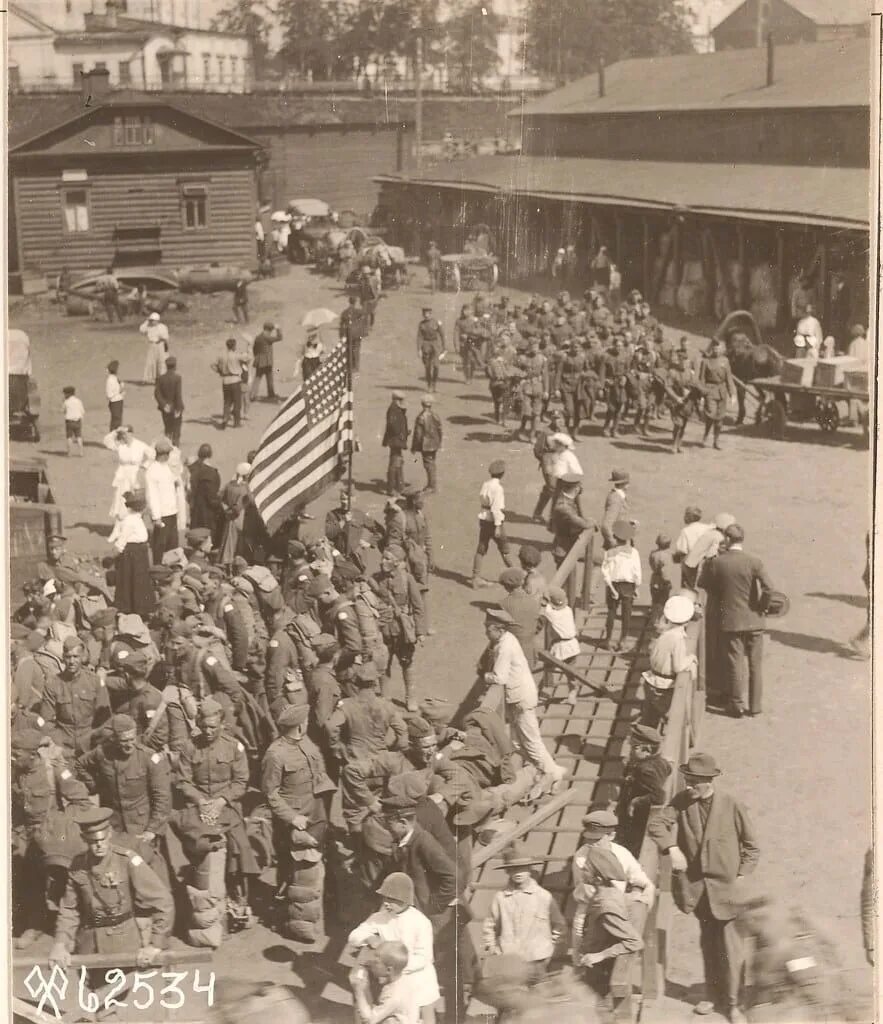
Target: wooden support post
494	849
588	574
783	312
677	256
822	312
743	268
646	268
617	220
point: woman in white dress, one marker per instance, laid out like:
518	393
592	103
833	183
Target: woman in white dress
133	457
398	920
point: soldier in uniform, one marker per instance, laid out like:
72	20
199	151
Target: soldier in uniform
643	786
337	616
499	372
427	440
298	791
114	902
430	345
212	780
285	659
534	390
360	724
223	612
141	701
568	381
614	369
345	528
417	544
75	702
716	380
395	438
683	394
405	628
132	783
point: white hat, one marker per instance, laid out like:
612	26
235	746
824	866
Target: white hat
243	469
154	317
679	609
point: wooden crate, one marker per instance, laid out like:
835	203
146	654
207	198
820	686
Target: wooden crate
798	371
829	372
856	380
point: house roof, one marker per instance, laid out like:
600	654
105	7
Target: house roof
833	12
19	141
829	74
831	196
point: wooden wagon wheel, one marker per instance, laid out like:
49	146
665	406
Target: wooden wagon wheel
828	416
777	418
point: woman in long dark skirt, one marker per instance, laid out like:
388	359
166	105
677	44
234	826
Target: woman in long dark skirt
134	589
205	486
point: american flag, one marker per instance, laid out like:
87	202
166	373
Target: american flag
304	449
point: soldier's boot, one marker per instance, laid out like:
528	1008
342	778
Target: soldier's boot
410	689
706	434
477	581
614	425
717	436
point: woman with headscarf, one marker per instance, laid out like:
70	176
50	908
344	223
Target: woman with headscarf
134	589
133	457
235	498
607	931
205	486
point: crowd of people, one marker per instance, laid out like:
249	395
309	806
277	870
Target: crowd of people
205	669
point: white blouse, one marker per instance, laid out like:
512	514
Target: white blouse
128	530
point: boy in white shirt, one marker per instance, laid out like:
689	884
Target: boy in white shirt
395	1002
621	571
74	412
490	522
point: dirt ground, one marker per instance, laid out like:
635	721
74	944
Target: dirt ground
803	768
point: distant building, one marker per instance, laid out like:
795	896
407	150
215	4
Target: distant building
715	180
157	186
792	21
49	50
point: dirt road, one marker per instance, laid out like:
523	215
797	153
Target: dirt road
803	767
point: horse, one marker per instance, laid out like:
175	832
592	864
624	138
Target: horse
750	358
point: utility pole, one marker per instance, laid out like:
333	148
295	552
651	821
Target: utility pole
418	98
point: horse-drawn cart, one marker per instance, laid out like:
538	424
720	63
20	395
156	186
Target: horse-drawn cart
466	271
830	407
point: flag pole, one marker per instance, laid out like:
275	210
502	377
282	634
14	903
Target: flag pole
352	443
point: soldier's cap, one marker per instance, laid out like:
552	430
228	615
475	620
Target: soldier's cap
71	643
599	821
29	739
436	710
123	724
95	819
131	661
198	535
181	628
132	625
209	707
500	616
366	674
294	714
605	863
679	609
397	886
345	571
398	394
497	467
570	479
241	584
413	785
530	556
395	551
397	803
161	573
213	572
296	549
427	400
419	727
474	811
512	577
646	735
57	536
319	585
622	529
323	641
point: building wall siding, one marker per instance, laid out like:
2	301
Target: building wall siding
136	199
823	138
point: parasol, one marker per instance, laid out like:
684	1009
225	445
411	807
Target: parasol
318	317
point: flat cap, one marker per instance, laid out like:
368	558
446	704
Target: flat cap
95	819
396	802
294	714
513	577
427	400
556	595
412	785
395	551
318	586
497	467
600	820
296	549
622	529
122	724
499	615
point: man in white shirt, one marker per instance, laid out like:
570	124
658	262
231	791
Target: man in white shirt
504	664
115	391
693	529
161	486
809	336
490	522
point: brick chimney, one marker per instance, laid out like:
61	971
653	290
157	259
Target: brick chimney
110	15
95	85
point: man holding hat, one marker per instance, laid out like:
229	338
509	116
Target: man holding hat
524	918
168	395
669	656
616	505
491	516
430	346
106	886
711	842
427	440
75	701
131	781
395	438
643	786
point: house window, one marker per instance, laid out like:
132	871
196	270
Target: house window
99	65
76	210
78	73
194	200
125	74
133	131
221	68
206	67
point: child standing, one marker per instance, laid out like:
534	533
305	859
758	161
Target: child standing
621	570
73	421
395	1003
562	627
662	566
